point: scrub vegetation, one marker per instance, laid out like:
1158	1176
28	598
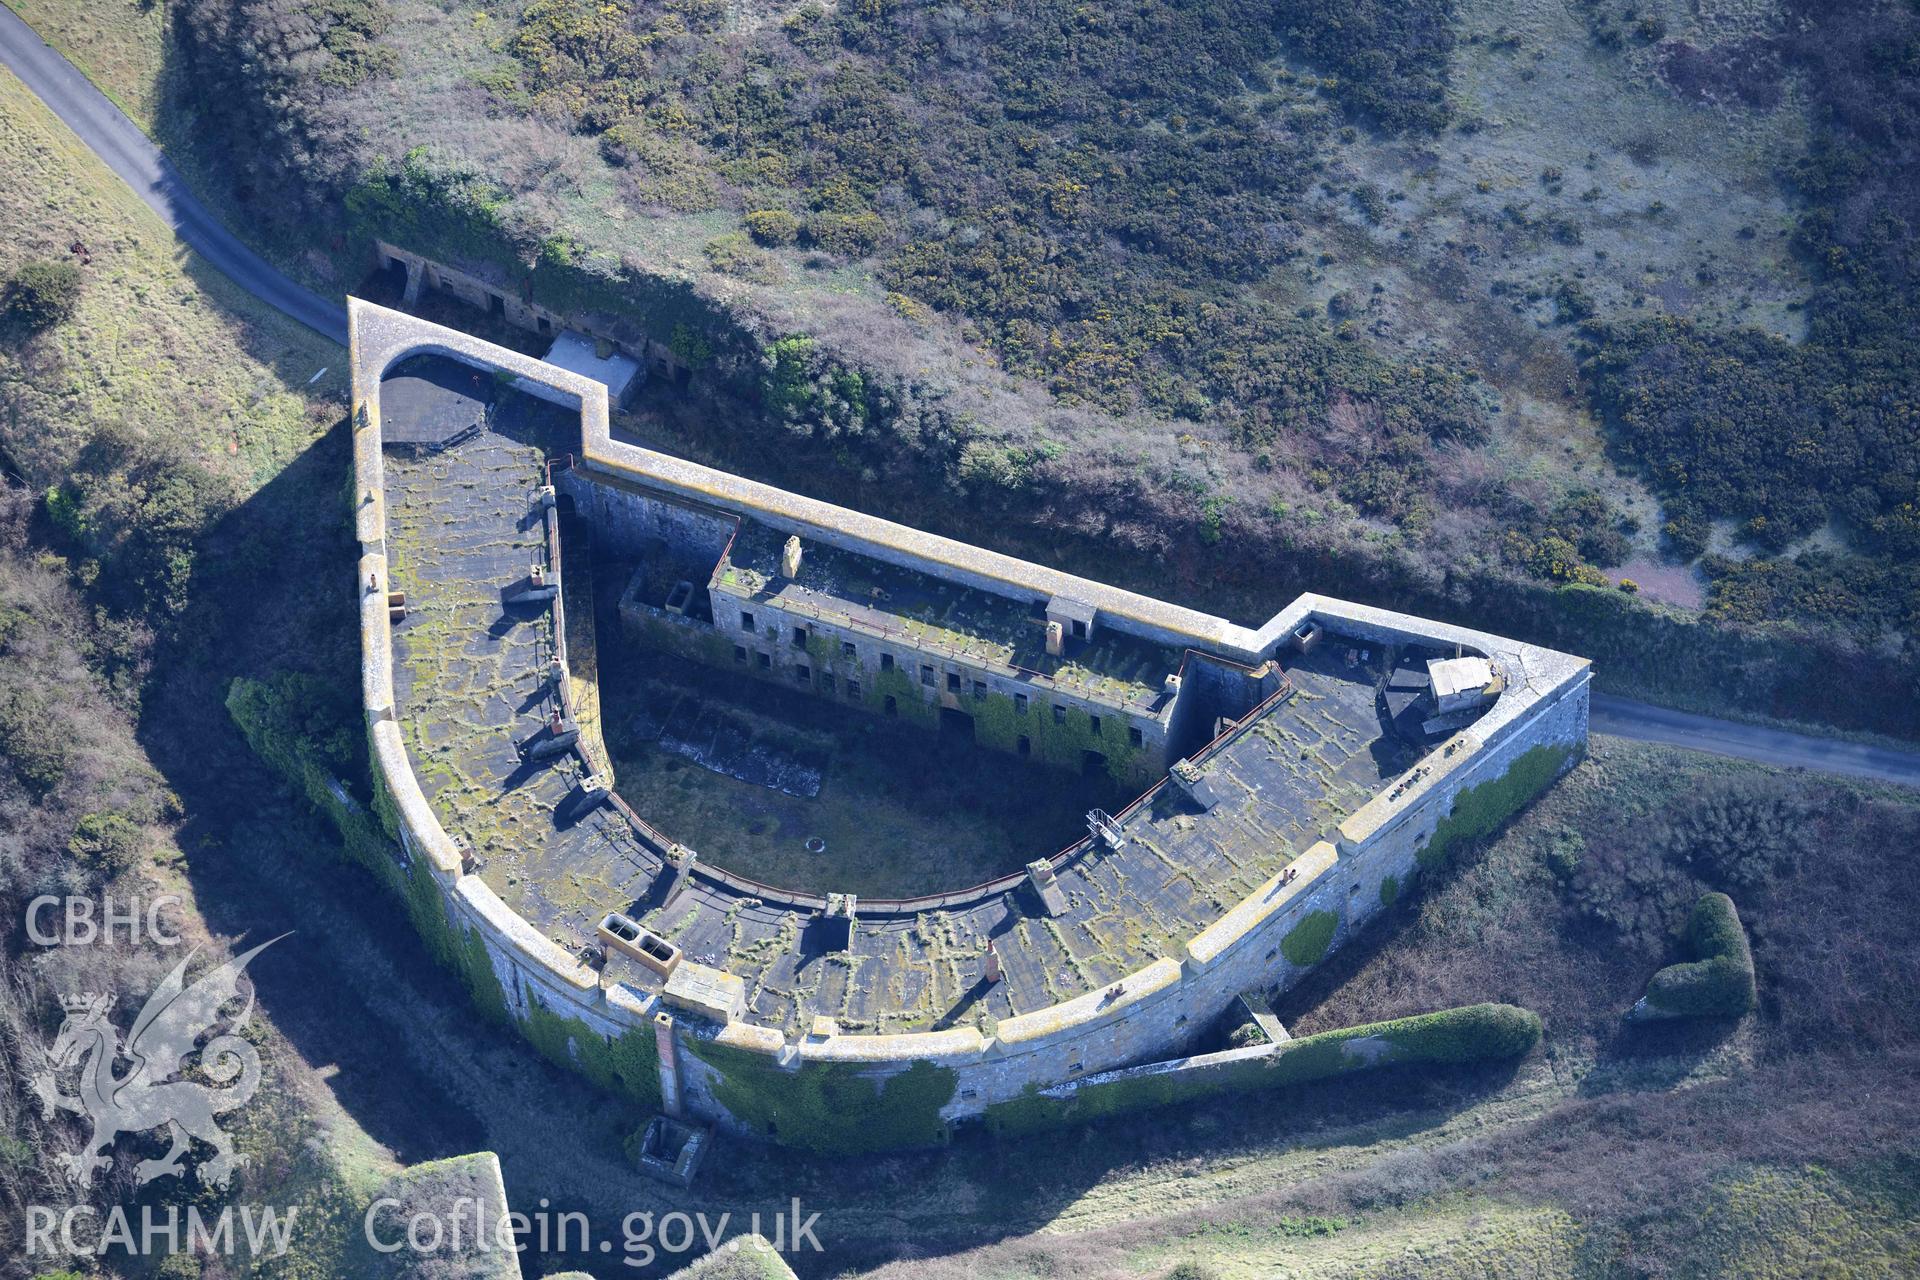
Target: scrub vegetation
173	491
1475	305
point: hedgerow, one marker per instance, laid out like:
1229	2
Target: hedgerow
1719	981
1468	1034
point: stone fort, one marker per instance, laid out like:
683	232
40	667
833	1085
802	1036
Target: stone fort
1287	781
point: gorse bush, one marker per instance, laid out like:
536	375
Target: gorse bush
42	294
134	506
1783	437
772	227
1742	832
1737	832
1389	57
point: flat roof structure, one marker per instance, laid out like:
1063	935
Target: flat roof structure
577	353
981	628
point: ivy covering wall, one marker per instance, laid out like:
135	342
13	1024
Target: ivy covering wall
627	1064
1307	942
1468	1034
835	1108
1062	740
293	722
1479	811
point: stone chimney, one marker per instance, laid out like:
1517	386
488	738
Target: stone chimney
1056	639
790	559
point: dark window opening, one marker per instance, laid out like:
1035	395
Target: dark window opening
1025	746
980	688
1096	725
746	622
496	306
766	661
739	653
1079	629
546	325
953	682
803	675
847	650
926	674
893	708
1092	763
1136	738
853	689
1020	703
1059	714
886	662
799	637
826	682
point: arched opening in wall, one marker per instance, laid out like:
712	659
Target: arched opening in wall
1093	763
393	275
956	724
564	504
892	707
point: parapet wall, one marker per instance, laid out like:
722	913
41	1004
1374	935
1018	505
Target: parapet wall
1540	718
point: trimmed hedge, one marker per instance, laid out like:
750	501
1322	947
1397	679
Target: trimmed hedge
1468	1034
1718	982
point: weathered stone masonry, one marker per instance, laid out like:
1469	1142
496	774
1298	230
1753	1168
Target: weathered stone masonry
1144	1014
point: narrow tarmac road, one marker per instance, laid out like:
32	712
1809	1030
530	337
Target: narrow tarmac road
1643	722
128	152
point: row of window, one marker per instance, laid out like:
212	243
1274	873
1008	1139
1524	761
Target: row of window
928	677
801	674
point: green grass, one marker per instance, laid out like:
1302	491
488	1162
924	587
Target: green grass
120	45
159	341
903	809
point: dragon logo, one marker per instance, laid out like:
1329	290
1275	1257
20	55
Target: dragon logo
148	1096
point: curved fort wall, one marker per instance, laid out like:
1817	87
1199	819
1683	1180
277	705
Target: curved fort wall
723	1064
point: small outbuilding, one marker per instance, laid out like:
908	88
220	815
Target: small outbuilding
620	372
1462	684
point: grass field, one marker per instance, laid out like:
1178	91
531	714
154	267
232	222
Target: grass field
119	44
160	343
166	350
902	811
